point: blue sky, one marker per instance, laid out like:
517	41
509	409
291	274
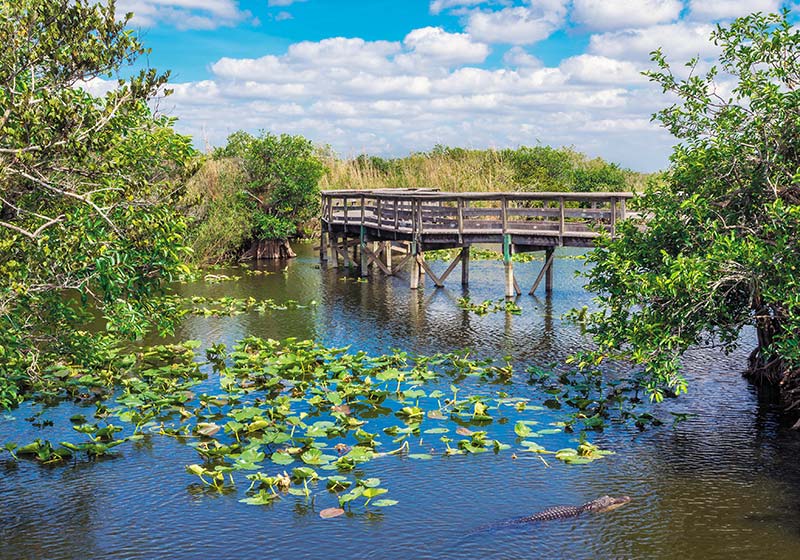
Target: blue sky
393	76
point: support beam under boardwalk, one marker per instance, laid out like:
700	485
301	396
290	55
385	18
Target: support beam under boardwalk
547	271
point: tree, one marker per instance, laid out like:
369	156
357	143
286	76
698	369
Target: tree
719	249
281	189
86	185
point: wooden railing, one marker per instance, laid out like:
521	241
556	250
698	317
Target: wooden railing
430	212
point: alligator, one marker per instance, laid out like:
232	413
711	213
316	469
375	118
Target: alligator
604	503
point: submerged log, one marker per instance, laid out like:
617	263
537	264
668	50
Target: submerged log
268	249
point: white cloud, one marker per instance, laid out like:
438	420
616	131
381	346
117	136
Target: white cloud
438	6
359	95
519	57
520	25
185	14
283	16
680	41
714	10
587	68
436	45
608	15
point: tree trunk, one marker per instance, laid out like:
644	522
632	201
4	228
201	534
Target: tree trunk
768	369
268	249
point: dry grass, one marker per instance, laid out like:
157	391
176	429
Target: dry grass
457	170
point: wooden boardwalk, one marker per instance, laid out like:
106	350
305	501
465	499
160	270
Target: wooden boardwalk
381	225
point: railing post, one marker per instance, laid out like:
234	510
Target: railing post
561	221
460	203
346	212
363	207
613	216
378	205
504	214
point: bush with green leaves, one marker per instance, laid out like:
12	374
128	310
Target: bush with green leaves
283	174
719	251
86	187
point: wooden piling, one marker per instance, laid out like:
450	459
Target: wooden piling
323	245
548	281
415	268
362	253
509	267
465	265
387	256
345	252
333	246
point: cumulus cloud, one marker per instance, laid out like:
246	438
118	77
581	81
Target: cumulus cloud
714	10
681	41
609	15
519	57
185	14
519	25
434	44
593	69
391	98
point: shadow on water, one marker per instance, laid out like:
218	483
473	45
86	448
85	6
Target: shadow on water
725	483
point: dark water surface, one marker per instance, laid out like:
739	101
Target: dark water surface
724	484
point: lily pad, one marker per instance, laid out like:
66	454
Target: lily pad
330	513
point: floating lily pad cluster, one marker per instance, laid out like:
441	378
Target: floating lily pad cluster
216	307
489	306
295	418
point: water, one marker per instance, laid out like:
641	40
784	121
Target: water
724	483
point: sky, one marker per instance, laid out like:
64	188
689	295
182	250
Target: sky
391	77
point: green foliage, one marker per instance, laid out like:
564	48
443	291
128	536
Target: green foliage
254	188
268	226
599	176
283	174
719	249
541	168
86	187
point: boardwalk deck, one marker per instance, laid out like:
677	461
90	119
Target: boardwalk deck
381	222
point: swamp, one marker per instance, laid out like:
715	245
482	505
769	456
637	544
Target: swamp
184	374
435	447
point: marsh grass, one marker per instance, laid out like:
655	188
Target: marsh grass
538	168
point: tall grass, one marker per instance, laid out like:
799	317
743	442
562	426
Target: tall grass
220	222
459	170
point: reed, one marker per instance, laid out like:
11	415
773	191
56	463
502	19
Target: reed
459	170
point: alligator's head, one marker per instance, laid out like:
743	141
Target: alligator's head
606	503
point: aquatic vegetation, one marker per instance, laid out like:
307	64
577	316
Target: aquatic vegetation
217	278
294	418
489	306
216	307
